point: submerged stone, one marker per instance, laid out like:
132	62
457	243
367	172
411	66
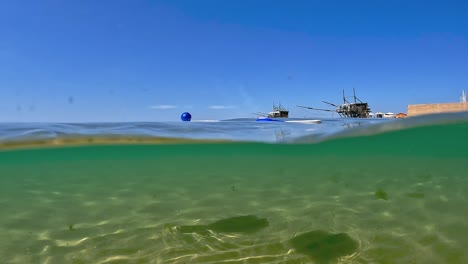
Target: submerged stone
381	194
238	224
324	247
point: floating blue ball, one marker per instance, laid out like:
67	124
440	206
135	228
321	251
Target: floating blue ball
186	116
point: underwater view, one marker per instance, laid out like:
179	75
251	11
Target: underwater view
380	192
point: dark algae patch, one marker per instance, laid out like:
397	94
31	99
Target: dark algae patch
381	194
324	247
238	224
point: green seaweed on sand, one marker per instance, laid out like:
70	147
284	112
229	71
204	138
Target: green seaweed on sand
324	247
238	224
381	194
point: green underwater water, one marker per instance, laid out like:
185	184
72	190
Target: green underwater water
398	197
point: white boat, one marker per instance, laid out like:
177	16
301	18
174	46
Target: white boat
308	121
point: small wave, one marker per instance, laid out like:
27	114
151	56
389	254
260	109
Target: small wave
242	130
392	125
206	120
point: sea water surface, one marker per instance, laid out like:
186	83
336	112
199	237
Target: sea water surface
236	191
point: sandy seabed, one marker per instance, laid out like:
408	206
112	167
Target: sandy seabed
80	207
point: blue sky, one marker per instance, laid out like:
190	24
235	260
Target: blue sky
88	61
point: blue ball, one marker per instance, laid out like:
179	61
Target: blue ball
186	116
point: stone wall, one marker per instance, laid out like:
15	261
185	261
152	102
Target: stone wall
424	109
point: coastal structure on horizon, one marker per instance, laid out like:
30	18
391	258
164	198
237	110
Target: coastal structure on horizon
356	109
425	109
278	112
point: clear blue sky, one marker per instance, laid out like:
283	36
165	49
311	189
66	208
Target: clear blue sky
112	60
